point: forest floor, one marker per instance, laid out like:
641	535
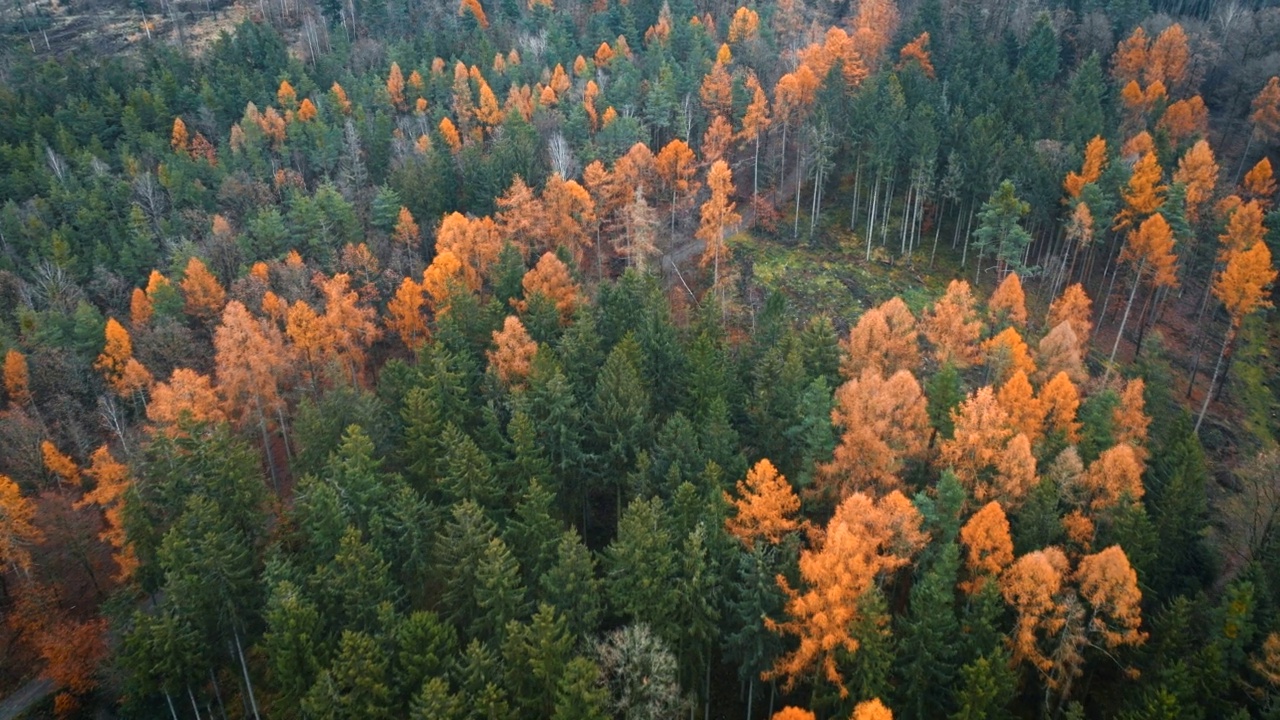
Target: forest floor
53	29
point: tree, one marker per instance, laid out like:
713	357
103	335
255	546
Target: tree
395	86
1149	251
765	508
1000	230
404	314
1060	351
1008	303
864	539
16	384
16	529
513	352
568	211
1144	194
477	243
871	709
1073	306
793	713
639	673
928	638
675	165
952	326
250	358
572	587
123	373
988	545
1115	476
1060	400
1130	419
718	215
987	457
884	423
550	278
755	121
885	338
1026	412
1198	171
111	482
1095	160
1007	354
1259	184
188	396
1266	111
641	565
204	294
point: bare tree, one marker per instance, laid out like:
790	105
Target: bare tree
1248	520
561	155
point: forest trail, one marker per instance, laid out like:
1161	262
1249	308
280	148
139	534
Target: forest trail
26	697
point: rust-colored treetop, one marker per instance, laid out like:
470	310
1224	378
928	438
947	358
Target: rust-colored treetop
1008	303
1095	160
1075	307
987	457
884	423
952	326
766	506
513	351
16	383
987	544
885	338
871	709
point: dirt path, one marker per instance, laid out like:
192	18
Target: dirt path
25	698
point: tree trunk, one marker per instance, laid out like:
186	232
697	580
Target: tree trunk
937	230
871	215
857	187
1217	367
1137	280
194	706
253	701
964	255
169	699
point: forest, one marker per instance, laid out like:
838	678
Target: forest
641	359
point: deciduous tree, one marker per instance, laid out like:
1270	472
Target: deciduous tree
765	508
884	423
17	532
952	326
204	294
513	353
988	545
16	385
1008	304
123	373
885	337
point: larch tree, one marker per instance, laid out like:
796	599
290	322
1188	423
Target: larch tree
917	51
952	326
1008	303
1060	401
718	215
755	120
16	384
676	166
551	279
1242	287
883	422
477	242
987	457
569	213
1006	353
441	279
203	293
186	396
1144	194
395	87
885	337
1026	412
348	324
1060	351
1114	477
140	308
988	546
111	482
17	530
871	709
1075	307
1259	183
511	358
1130	419
766	507
1095	161
1198	173
521	217
123	373
1149	251
404	314
250	361
59	464
793	713
864	540
406	232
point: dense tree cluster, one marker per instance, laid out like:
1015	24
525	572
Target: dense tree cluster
357	371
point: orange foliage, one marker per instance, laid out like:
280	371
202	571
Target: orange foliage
917	50
986	456
1244	230
441	278
450	134
16	383
249	359
16	529
513	353
1008	303
187	394
395	86
62	467
204	294
604	55
864	539
885	337
1198	171
676	165
1138	145
871	709
1266	110
1168	58
1144	194
286	96
124	374
1130	418
1110	585
476	242
521	216
874	27
884	423
349	327
340	99
1026	412
952	326
406	232
306	111
550	278
1095	159
568	212
1075	307
140	308
1185	119
793	713
404	314
1006	354
1130	58
716	140
1115	476
1032	585
756	117
744	26
718	215
111	481
1242	284
1060	352
1150	248
717	90
765	508
987	544
1079	529
1060	400
179	139
1259	184
473	7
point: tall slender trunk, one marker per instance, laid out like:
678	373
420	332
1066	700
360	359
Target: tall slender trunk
1137	280
871	214
751	694
964	255
888	208
194	706
169	699
217	694
755	172
795	229
857	187
253	701
937	230
1217	367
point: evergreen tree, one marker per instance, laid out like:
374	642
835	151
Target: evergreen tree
928	637
571	585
